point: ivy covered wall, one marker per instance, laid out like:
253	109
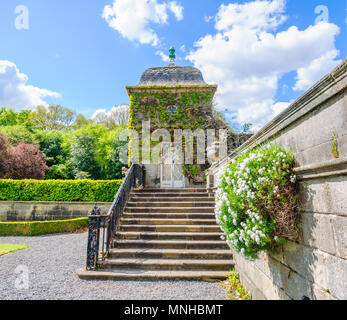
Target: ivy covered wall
173	107
193	107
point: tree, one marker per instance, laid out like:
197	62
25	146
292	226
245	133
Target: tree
70	147
53	117
247	127
56	154
51	146
25	161
100	116
119	115
62	171
82	175
18	133
8	117
83	153
103	147
81	121
4	156
114	168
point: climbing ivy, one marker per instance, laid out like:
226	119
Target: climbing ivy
193	112
153	106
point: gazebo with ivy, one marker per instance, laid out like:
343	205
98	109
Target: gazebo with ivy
170	97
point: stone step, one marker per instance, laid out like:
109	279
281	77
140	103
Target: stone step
170	190
171	244
169	210
170	215
170	195
171	204
149	221
169	235
164	253
129	274
169	199
169	228
167	264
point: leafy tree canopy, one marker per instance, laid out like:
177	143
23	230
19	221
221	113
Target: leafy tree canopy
53	117
19	133
9	117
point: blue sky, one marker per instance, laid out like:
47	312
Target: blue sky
71	50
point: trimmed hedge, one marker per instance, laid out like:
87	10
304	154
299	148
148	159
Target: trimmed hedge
59	190
37	228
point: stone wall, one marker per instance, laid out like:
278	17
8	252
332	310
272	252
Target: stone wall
315	266
41	211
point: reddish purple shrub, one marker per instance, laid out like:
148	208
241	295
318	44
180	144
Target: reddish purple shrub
27	162
24	161
4	156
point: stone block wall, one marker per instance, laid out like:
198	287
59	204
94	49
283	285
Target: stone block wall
43	211
315	266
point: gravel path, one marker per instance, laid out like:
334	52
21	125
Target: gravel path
52	262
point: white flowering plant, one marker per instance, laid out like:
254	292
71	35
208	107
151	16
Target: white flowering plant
256	202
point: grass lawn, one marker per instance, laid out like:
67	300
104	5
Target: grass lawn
7	248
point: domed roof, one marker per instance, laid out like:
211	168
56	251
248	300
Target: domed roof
172	74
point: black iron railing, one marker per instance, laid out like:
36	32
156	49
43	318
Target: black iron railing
102	228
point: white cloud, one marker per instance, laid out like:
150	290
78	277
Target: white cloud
208	18
278	107
176	9
260	15
252	57
16	93
133	18
163	56
316	70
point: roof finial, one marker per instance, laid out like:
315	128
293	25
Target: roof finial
172	55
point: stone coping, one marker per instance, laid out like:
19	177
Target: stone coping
331	168
57	202
172	88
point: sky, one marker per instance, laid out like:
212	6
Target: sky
262	54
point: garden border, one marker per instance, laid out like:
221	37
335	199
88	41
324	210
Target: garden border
38	228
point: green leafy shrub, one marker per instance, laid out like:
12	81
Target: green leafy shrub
83	155
256	200
59	190
63	171
82	175
234	287
18	133
37	228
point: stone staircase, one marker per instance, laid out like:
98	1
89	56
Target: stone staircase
167	234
